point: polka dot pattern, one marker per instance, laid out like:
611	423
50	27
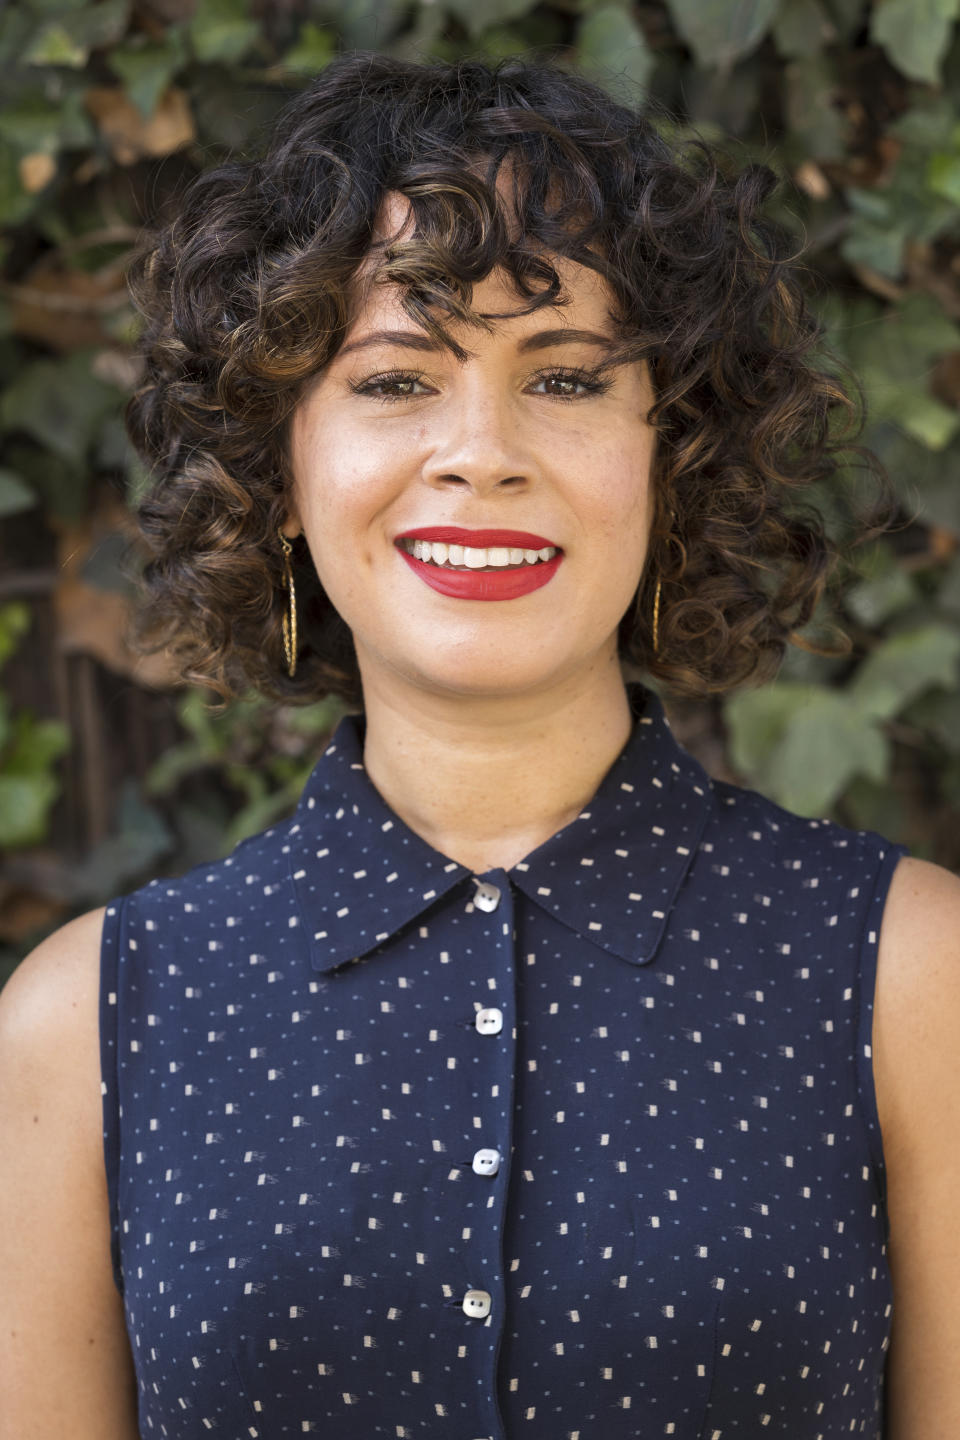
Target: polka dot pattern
583	1150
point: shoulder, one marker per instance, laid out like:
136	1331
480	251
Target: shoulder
917	1075
50	1092
917	1001
49	1006
918	960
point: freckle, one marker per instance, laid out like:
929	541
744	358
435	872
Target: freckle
36	1119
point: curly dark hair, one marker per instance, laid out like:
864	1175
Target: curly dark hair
248	290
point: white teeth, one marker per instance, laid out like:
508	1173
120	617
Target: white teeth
471	557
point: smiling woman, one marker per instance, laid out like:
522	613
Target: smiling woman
528	1081
397	211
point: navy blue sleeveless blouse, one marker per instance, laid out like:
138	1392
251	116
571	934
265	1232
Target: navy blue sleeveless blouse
583	1150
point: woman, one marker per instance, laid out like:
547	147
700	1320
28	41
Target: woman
527	1081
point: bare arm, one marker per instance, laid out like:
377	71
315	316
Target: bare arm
65	1364
916	1048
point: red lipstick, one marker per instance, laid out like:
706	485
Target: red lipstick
479	539
494	583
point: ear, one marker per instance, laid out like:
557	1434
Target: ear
291	527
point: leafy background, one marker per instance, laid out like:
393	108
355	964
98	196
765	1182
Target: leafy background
109	775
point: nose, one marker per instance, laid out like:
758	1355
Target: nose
479	442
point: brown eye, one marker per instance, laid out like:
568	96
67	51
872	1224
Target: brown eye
379	386
591	382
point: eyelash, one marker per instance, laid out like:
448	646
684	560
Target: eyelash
593	381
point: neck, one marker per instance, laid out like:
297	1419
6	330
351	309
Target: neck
486	780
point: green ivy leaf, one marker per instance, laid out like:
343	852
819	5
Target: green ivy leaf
28	786
802	744
943	175
938	712
25	802
479	15
14	624
915	34
61	484
894	351
721	31
15	202
904	666
801	29
33	123
927	123
756	720
59	402
884	592
826	743
35	745
612	49
54	45
68	38
927	420
313	51
147	69
812	86
222	30
14	494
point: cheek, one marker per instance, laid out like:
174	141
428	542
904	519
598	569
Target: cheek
624	503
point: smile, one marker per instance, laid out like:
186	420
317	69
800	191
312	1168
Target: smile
467	557
484	574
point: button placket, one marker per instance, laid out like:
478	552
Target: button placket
488	1161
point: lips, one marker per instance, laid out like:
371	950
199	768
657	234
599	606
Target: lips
492	584
479	539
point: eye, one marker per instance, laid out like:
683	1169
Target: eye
591	382
399	381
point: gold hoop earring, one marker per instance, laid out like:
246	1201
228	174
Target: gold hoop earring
289	621
656	615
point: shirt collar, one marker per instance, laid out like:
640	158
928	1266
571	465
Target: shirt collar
611	875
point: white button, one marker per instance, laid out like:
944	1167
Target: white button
476	1304
487	896
486	1162
490	1022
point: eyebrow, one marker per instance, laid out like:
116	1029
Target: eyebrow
539	340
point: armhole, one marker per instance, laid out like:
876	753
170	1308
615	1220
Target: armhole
109	1071
888	858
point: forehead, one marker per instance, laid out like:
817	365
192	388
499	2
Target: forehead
375	302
